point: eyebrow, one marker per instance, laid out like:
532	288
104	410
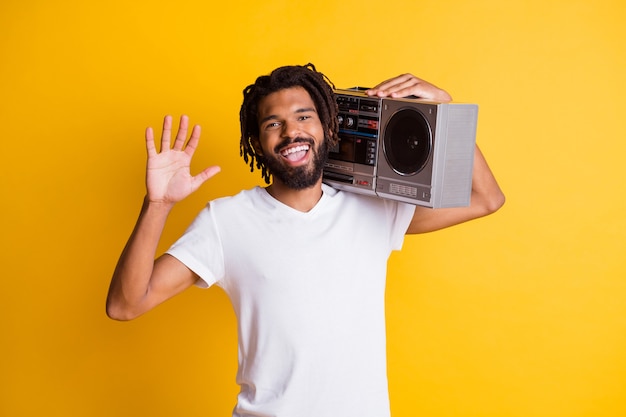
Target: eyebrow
302	110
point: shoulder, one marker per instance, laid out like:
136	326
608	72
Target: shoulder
243	197
250	202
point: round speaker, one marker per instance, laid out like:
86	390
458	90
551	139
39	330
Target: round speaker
407	142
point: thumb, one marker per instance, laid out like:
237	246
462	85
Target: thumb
209	172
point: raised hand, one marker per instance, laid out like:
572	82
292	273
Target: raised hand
409	85
168	175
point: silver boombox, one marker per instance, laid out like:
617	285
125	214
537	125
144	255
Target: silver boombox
411	150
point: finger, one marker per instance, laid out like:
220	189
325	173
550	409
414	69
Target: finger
167	133
405	86
422	89
193	140
181	135
150	142
388	86
392	81
406	89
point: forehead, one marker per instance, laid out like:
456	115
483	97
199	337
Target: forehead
286	100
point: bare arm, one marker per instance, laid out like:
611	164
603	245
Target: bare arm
139	283
486	197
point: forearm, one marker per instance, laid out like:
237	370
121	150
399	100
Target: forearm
131	279
486	198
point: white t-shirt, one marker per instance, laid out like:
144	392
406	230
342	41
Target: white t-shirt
308	292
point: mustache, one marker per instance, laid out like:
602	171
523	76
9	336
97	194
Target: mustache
291	141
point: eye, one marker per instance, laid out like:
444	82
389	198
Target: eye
272	125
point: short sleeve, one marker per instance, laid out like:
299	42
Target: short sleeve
401	215
200	249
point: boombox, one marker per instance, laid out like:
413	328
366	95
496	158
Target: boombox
411	150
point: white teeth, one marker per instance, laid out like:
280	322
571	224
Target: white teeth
294	150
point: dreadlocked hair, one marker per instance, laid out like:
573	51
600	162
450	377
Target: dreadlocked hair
319	87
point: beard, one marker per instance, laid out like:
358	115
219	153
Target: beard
300	177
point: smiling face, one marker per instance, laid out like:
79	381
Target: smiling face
291	138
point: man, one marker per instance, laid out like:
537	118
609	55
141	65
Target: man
303	264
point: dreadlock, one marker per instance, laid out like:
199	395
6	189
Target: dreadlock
319	87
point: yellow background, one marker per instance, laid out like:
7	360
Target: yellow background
520	314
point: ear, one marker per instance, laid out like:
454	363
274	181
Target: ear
256	145
333	139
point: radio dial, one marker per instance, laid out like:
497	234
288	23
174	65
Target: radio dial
388	149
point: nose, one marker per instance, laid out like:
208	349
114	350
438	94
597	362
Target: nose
291	129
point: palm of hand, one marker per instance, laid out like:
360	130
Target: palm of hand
168	176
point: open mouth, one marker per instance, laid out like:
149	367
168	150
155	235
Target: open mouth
295	153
